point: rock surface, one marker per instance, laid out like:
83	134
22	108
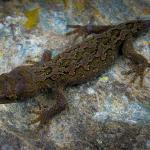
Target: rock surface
106	113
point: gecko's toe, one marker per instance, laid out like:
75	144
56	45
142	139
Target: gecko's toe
34	121
138	72
141	80
133	78
35	111
126	73
41	113
42	117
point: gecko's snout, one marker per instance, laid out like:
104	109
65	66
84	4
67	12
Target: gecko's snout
3	97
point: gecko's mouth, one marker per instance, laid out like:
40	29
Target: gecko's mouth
5	100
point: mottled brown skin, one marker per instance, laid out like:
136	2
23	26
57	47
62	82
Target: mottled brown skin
76	65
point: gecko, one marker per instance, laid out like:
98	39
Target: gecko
76	65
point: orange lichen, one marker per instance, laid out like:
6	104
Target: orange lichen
32	18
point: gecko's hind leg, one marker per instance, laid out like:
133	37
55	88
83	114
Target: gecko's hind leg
46	114
139	62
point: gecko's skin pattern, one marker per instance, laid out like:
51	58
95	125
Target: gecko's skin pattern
76	65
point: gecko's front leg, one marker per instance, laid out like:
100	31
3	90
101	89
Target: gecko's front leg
46	114
139	62
84	31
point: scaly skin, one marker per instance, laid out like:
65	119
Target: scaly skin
76	65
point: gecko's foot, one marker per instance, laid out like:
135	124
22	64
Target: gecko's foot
43	116
138	71
81	31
